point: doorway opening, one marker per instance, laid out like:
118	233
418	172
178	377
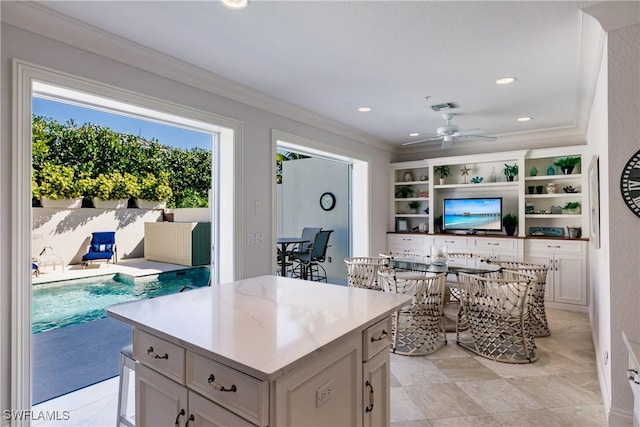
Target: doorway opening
323	187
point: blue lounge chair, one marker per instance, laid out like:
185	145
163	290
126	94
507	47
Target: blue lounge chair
35	269
103	246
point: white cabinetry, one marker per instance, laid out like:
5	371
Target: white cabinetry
232	361
497	249
408	244
566	282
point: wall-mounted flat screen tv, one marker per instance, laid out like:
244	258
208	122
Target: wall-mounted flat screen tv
482	214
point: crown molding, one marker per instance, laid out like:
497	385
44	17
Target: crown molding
39	19
613	15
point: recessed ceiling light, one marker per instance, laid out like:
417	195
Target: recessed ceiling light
524	119
414	134
364	109
505	80
235	4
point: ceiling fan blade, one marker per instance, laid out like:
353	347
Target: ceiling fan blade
478	137
435	138
465	132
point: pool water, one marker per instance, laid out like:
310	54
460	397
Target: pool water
59	304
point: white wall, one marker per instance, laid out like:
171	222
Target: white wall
599	292
303	182
624	227
68	231
132	72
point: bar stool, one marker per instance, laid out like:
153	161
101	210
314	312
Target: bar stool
127	365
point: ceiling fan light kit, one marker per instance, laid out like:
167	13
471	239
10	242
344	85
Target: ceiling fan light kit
450	132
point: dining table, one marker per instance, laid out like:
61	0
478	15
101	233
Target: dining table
284	243
471	266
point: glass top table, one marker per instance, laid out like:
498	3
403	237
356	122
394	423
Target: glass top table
473	266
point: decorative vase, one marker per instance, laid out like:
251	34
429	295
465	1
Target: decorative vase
441	181
530	188
533	171
492	175
567	170
539	189
510	178
510	229
408	176
551	170
552	188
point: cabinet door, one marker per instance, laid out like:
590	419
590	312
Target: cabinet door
376	389
159	401
542	259
324	392
569	279
205	413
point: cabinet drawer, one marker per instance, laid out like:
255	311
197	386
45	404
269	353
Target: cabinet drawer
376	338
406	241
161	355
556	246
491	244
208	413
238	392
452	242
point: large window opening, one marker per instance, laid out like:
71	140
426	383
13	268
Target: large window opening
70	226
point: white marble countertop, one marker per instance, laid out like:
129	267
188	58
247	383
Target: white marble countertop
261	325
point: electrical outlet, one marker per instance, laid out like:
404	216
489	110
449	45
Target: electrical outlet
250	238
329	259
259	238
324	394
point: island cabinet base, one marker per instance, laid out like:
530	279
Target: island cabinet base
346	383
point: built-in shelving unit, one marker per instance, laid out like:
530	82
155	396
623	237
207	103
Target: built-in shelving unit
411	197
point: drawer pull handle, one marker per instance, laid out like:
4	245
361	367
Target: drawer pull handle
493	244
217	386
449	241
181	413
369	408
191	418
554	246
632	375
382	336
151	353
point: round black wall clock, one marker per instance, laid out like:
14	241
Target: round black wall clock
327	201
630	184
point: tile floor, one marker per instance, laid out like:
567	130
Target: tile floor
448	388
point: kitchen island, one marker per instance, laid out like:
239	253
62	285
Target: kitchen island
265	351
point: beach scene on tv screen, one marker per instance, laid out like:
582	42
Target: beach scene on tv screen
478	214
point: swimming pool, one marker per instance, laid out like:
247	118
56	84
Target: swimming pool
59	304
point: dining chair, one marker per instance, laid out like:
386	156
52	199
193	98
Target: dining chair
308	263
496	314
539	323
362	272
417	328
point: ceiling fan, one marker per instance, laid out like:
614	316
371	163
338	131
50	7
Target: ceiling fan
450	132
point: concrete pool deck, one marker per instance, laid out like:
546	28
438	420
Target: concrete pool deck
135	267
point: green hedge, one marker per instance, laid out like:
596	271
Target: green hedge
99	160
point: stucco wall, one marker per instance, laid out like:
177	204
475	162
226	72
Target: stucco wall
68	231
